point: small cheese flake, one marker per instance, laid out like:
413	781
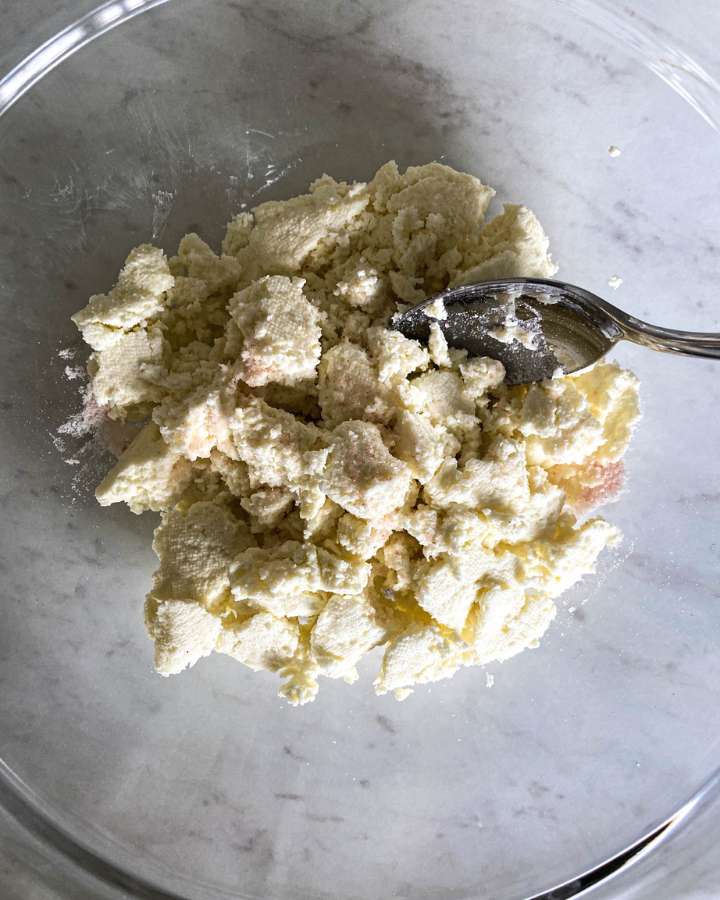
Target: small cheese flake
438	347
614	282
436	309
614	151
326	485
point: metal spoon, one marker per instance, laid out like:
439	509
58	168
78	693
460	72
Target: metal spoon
563	328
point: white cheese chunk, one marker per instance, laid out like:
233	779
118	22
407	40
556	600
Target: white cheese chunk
395	355
349	387
286	232
119	372
148	475
137	298
195	548
280	578
346	629
278	449
262	641
361	475
184	632
281	335
419	655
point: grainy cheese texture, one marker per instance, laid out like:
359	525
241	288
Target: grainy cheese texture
327	486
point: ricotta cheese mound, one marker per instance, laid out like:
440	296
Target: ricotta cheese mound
327	486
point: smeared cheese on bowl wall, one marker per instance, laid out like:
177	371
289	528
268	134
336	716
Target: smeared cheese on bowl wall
326	485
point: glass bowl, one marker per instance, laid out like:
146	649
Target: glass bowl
207	785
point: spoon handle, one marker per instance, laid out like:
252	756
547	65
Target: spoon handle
688	343
668	340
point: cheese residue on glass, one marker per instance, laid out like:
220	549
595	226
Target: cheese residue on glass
327	486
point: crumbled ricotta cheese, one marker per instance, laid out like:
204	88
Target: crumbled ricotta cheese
349	387
286	578
512	245
281	335
183	632
438	346
422	445
137	298
436	309
277	448
117	372
346	629
513	330
195	548
480	375
327	485
148	475
361	475
262	641
395	355
420	654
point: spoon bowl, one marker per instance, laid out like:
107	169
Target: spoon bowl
539	328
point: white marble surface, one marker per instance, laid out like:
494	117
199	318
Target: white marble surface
636	233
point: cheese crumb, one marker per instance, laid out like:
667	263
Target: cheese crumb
438	347
436	309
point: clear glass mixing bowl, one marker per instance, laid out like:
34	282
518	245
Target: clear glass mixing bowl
206	785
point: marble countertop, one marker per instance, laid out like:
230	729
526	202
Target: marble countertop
687	867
